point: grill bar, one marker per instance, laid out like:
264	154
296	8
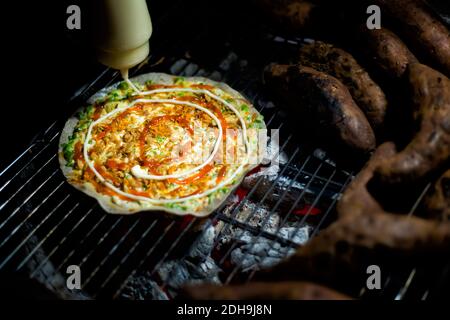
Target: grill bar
297	228
27	164
149	252
73	251
110	253
27	199
411	276
246	198
14	161
294	205
124	259
52	230
32	232
25	184
333	203
100	241
173	245
24	261
317	229
257	231
273	210
29	216
254	209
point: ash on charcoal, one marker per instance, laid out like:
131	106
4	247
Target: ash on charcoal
271	186
178	273
259	253
273	151
257	213
298	236
196	267
203	246
271	160
284	187
143	288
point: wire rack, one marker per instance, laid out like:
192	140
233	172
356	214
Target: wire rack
46	225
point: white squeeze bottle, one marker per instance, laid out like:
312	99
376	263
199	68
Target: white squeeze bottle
121	30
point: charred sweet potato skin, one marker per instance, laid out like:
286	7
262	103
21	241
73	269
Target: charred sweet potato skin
386	51
342	65
325	102
423	29
288	290
429	150
364	234
437	200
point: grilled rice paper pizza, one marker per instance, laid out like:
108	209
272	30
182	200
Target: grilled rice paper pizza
179	145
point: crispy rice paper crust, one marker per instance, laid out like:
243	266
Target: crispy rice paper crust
126	207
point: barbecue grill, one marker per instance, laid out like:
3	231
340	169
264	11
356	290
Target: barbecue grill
46	225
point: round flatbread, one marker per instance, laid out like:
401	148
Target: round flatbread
180	145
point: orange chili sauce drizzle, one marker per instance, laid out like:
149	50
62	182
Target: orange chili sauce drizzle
152	165
89	176
115	121
194	177
221	174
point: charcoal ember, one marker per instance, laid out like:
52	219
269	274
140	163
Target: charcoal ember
177	273
203	246
267	171
271	160
270	165
141	287
297	235
256	215
258	253
273	154
271	190
196	267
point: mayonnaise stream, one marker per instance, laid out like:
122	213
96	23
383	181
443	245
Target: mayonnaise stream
124	74
139	172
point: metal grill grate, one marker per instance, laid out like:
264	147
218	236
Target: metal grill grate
46	225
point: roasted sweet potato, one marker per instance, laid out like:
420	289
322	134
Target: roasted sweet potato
341	65
437	200
263	291
324	103
422	28
364	234
386	51
429	150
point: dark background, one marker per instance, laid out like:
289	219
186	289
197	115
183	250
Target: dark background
43	64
